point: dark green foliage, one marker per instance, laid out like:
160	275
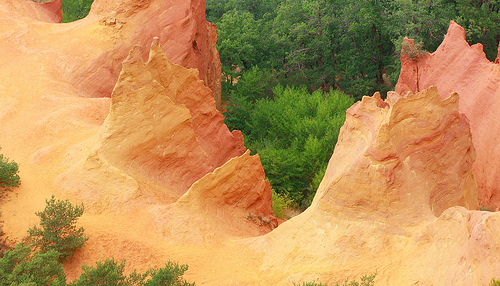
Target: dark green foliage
75	9
110	273
107	273
9	173
294	132
171	274
57	229
480	20
351	45
22	267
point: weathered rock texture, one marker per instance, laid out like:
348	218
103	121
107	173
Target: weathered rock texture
408	156
458	67
88	53
392	202
162	178
147	152
162	127
181	27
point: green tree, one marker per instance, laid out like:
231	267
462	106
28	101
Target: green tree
9	173
481	22
241	44
22	267
303	31
107	273
58	229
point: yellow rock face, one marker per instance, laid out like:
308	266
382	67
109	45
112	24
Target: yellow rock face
392	202
409	156
142	145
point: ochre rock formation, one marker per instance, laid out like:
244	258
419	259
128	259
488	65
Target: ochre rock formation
188	38
392	202
142	145
88	53
458	67
162	126
50	12
128	148
410	155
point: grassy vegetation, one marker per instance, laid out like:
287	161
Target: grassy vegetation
366	280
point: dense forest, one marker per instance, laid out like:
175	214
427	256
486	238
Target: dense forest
290	69
348	45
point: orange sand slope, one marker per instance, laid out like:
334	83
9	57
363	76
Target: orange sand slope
142	145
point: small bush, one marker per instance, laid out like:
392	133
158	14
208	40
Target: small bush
9	176
366	280
22	267
281	202
105	273
57	229
413	51
110	273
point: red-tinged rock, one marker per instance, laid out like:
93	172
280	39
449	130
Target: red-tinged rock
163	126
50	12
232	201
91	60
188	40
458	67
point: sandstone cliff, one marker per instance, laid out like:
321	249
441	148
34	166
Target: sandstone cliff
458	67
142	145
389	202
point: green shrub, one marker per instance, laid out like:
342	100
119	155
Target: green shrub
281	202
494	282
9	176
57	229
75	9
107	273
110	273
22	267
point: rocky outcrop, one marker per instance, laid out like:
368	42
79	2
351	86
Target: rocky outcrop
181	27
229	202
91	60
50	12
162	178
409	156
162	126
458	67
392	202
